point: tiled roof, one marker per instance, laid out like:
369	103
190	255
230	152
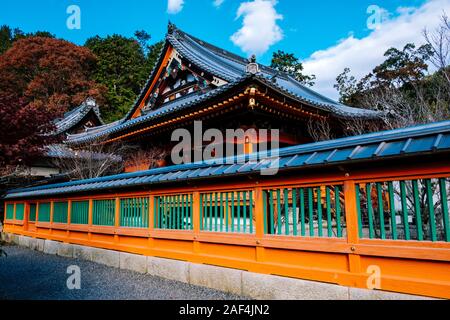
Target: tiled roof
73	117
229	67
401	143
60	151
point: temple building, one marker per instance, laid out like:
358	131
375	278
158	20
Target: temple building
196	81
44	169
356	217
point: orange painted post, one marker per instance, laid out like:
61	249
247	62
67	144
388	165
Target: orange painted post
26	213
37	214
69	212
91	205
196	219
259	222
51	216
117	220
151	215
351	217
351	214
69	216
151	220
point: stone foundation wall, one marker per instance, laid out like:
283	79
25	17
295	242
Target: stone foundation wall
251	285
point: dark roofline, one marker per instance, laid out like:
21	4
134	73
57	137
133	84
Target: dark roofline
75	116
423	139
202	99
172	38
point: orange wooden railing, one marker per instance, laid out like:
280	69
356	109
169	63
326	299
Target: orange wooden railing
407	266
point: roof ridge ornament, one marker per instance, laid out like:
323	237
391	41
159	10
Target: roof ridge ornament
171	27
252	67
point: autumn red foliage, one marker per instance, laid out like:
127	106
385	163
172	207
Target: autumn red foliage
40	79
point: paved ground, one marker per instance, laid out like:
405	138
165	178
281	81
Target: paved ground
27	274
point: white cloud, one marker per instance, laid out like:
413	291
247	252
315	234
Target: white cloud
175	6
362	55
260	29
218	3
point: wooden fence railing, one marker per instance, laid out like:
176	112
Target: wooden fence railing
330	228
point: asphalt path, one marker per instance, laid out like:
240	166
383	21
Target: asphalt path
33	275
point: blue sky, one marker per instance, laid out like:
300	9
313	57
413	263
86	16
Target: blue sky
310	29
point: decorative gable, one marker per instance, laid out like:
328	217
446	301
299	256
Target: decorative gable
177	78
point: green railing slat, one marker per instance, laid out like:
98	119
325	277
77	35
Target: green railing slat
319	212
216	214
430	202
239	211
271	206
251	212
32	216
286	211
202	212
328	206
302	212
358	210
264	195
279	212
417	209
294	211
405	214
227	212
381	210
311	211
392	210
221	212
370	210
444	204
338	210
245	212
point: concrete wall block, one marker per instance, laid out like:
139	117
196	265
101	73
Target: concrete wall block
32	243
51	247
107	257
365	294
37	244
133	262
268	287
14	239
82	252
24	241
168	269
224	279
65	250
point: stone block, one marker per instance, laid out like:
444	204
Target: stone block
365	294
223	279
107	257
65	250
82	252
168	269
51	247
24	241
269	287
133	262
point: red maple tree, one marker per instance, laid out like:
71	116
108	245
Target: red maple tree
40	79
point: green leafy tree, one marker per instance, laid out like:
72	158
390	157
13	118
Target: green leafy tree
123	67
400	87
8	36
290	64
402	69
